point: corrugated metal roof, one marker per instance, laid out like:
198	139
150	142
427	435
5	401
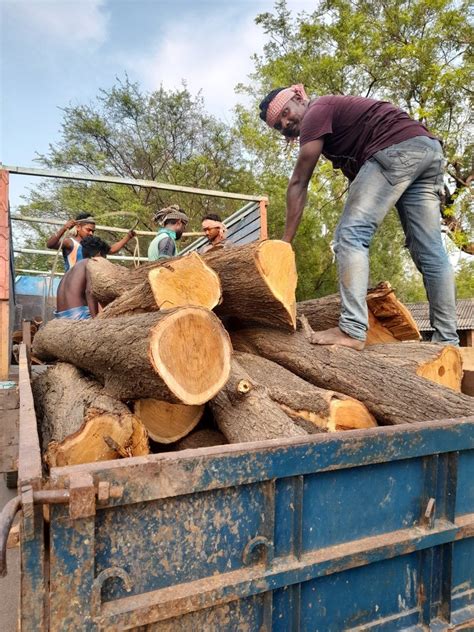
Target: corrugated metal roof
464	314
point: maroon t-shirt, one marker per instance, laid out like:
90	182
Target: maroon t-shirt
355	128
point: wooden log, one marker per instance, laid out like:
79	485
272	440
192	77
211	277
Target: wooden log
391	313
433	361
244	411
165	422
204	438
389	319
166	285
180	355
258	283
323	410
80	423
109	280
390	394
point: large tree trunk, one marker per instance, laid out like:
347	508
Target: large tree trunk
433	361
164	285
183	281
165	422
258	283
80	423
389	320
108	279
180	355
244	411
390	393
327	410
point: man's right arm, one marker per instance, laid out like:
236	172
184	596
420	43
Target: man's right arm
92	302
298	186
54	241
166	248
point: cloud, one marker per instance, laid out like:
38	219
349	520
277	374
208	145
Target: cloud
61	22
212	58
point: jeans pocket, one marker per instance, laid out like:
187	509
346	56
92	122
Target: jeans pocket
400	164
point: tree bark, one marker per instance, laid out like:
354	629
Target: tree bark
244	411
258	283
323	410
180	355
165	422
389	320
389	392
183	281
80	423
201	439
433	361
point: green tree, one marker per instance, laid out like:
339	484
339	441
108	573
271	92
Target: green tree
415	53
164	136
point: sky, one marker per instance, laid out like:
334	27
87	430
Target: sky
56	53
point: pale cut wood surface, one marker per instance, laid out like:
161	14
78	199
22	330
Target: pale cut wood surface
165	422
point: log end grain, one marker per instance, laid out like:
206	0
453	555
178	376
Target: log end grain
276	263
446	369
185	281
103	437
191	352
165	422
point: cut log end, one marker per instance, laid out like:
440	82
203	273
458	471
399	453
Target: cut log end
276	263
185	281
349	414
103	437
446	369
165	422
391	313
191	352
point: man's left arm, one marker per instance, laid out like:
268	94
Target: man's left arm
298	186
114	248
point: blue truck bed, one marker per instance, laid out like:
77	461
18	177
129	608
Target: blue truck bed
361	530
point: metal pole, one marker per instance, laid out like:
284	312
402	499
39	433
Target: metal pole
34	251
115	229
150	184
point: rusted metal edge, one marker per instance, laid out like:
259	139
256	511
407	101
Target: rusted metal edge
172	474
29	461
465	524
166	603
7	516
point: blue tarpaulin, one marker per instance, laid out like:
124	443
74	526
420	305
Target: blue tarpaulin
35	285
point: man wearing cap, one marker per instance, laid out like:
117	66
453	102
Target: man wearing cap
82	226
390	160
173	222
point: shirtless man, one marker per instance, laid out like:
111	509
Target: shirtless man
74	297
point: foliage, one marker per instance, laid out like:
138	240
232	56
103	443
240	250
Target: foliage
414	53
163	136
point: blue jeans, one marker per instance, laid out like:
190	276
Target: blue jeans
409	176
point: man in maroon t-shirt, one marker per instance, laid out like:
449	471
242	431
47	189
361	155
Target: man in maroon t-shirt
390	160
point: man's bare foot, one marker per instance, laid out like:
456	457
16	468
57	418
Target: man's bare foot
335	336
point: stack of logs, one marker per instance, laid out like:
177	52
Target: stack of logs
205	350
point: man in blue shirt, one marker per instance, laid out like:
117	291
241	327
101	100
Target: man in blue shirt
173	222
